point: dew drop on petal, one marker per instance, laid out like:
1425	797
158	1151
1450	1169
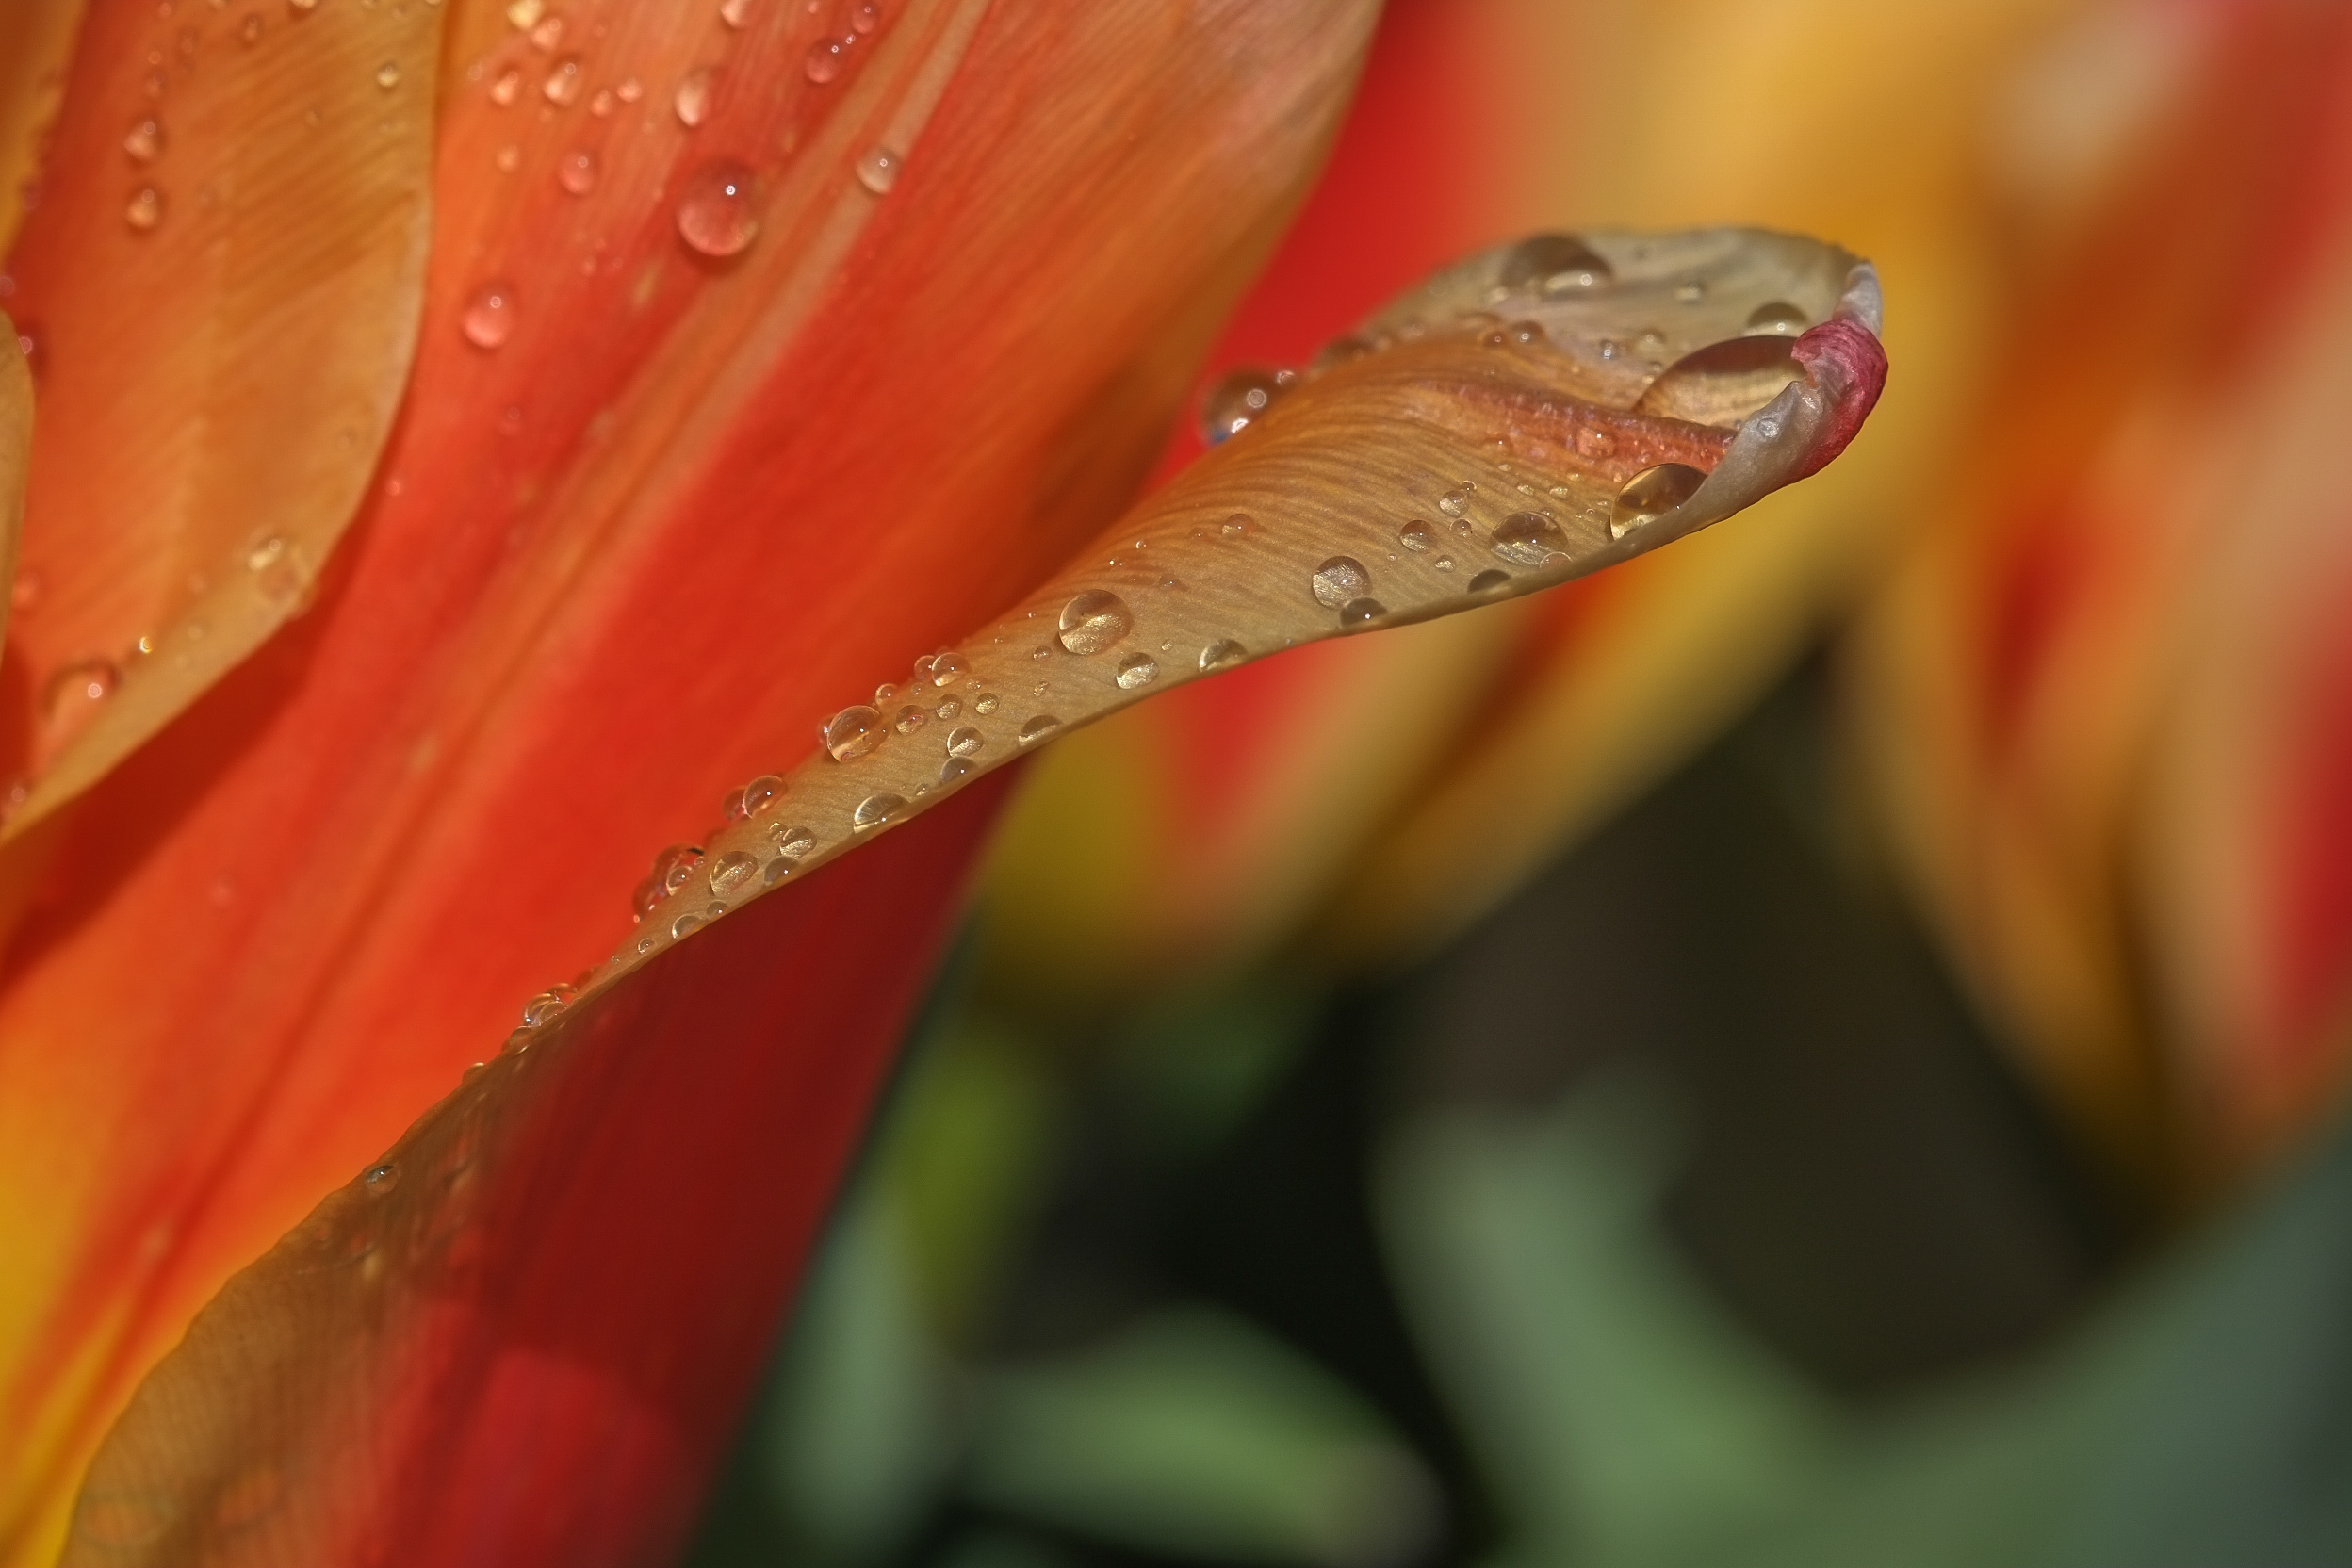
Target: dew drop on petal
852	732
546	1005
909	719
735	12
866	18
388	75
1223	654
1416	538
78	686
1690	292
877	169
508	87
1488	579
1723	383
735	867
1094	621
1554	264
874	811
1337	581
1454	502
1359	612
945	667
825	60
1038	728
955	770
1778	317
145	208
144	140
1652	492
685	925
964	740
380	1177
985	704
1240	397
1136	671
563	83
1529	538
576	172
715	209
754	798
489	318
796	841
692	99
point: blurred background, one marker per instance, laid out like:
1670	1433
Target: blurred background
1822	1045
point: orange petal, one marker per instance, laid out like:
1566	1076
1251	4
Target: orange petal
36	38
498	1351
618	545
224	284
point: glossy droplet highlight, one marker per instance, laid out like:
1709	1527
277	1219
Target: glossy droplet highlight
1239	398
1361	613
77	686
1454	502
715	214
691	101
1779	318
1416	538
1529	538
144	140
852	732
1095	621
685	925
964	741
144	209
874	811
1223	654
955	770
388	75
878	170
380	1179
985	704
1038	728
735	870
1652	492
489	318
1554	264
1136	671
546	1005
1337	581
565	82
825	59
576	172
1722	384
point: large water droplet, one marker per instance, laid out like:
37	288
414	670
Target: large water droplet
955	770
715	214
1779	318
942	668
1223	654
735	869
1095	621
548	1002
1723	383
1416	538
692	98
576	172
825	59
796	842
145	208
1337	581
1554	264
1455	502
1529	538
1038	728
1137	670
874	811
1361	613
1652	492
852	732
144	140
1488	580
489	318
77	686
964	741
878	170
754	798
1240	397
685	925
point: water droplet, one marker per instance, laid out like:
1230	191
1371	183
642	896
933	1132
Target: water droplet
909	719
1722	384
1416	538
1095	621
735	867
777	869
964	741
144	140
388	75
1778	317
1356	613
1529	538
948	709
1038	728
954	770
301	8
985	704
1554	264
1690	292
825	59
489	318
1337	581
945	668
735	12
564	83
380	1179
878	170
692	99
1236	525
1444	563
601	105
576	172
1488	579
145	209
1454	502
545	36
714	210
1240	397
630	89
852	732
523	15
874	811
866	18
685	925
75	688
1223	654
546	1005
508	87
754	798
796	841
1137	670
1652	492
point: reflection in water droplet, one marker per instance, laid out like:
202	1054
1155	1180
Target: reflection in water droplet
540	1009
715	209
1529	538
1223	654
489	318
1416	538
1554	264
576	172
796	842
735	867
964	741
874	811
1337	581
754	798
1722	384
954	769
985	704
945	668
145	208
1095	621
1454	502
380	1179
388	75
1652	492
685	925
1238	397
1137	670
878	170
1038	728
1236	525
144	140
825	59
1444	563
692	98
909	719
852	732
1778	317
76	687
1357	612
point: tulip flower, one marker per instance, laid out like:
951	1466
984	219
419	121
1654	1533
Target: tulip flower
384	597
